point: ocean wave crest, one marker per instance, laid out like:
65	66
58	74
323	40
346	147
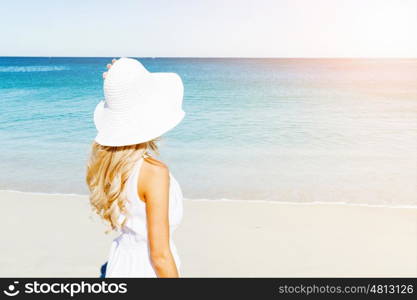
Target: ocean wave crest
254	201
16	69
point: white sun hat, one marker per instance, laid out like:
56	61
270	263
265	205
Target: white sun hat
139	105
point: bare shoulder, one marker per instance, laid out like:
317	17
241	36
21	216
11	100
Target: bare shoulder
154	177
155	167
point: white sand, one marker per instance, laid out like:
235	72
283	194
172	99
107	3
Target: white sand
57	235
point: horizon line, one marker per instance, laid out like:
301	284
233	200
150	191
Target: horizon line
219	57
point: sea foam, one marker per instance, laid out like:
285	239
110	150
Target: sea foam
16	69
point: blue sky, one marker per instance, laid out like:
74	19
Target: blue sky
210	28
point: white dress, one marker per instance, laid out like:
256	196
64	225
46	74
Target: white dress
129	253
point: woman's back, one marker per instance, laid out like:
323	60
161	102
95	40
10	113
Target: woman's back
129	254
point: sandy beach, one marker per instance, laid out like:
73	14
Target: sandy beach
51	235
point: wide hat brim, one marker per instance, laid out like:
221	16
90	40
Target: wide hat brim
141	123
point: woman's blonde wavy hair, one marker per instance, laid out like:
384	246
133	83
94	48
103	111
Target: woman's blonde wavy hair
107	172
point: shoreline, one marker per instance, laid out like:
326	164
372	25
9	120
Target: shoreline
242	200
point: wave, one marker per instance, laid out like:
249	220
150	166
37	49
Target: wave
18	69
308	203
241	200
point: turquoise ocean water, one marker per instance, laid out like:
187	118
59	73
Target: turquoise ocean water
291	130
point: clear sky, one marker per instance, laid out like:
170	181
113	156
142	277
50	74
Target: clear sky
201	28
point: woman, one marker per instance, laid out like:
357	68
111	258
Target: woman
135	193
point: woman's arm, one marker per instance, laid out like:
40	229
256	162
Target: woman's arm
156	194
